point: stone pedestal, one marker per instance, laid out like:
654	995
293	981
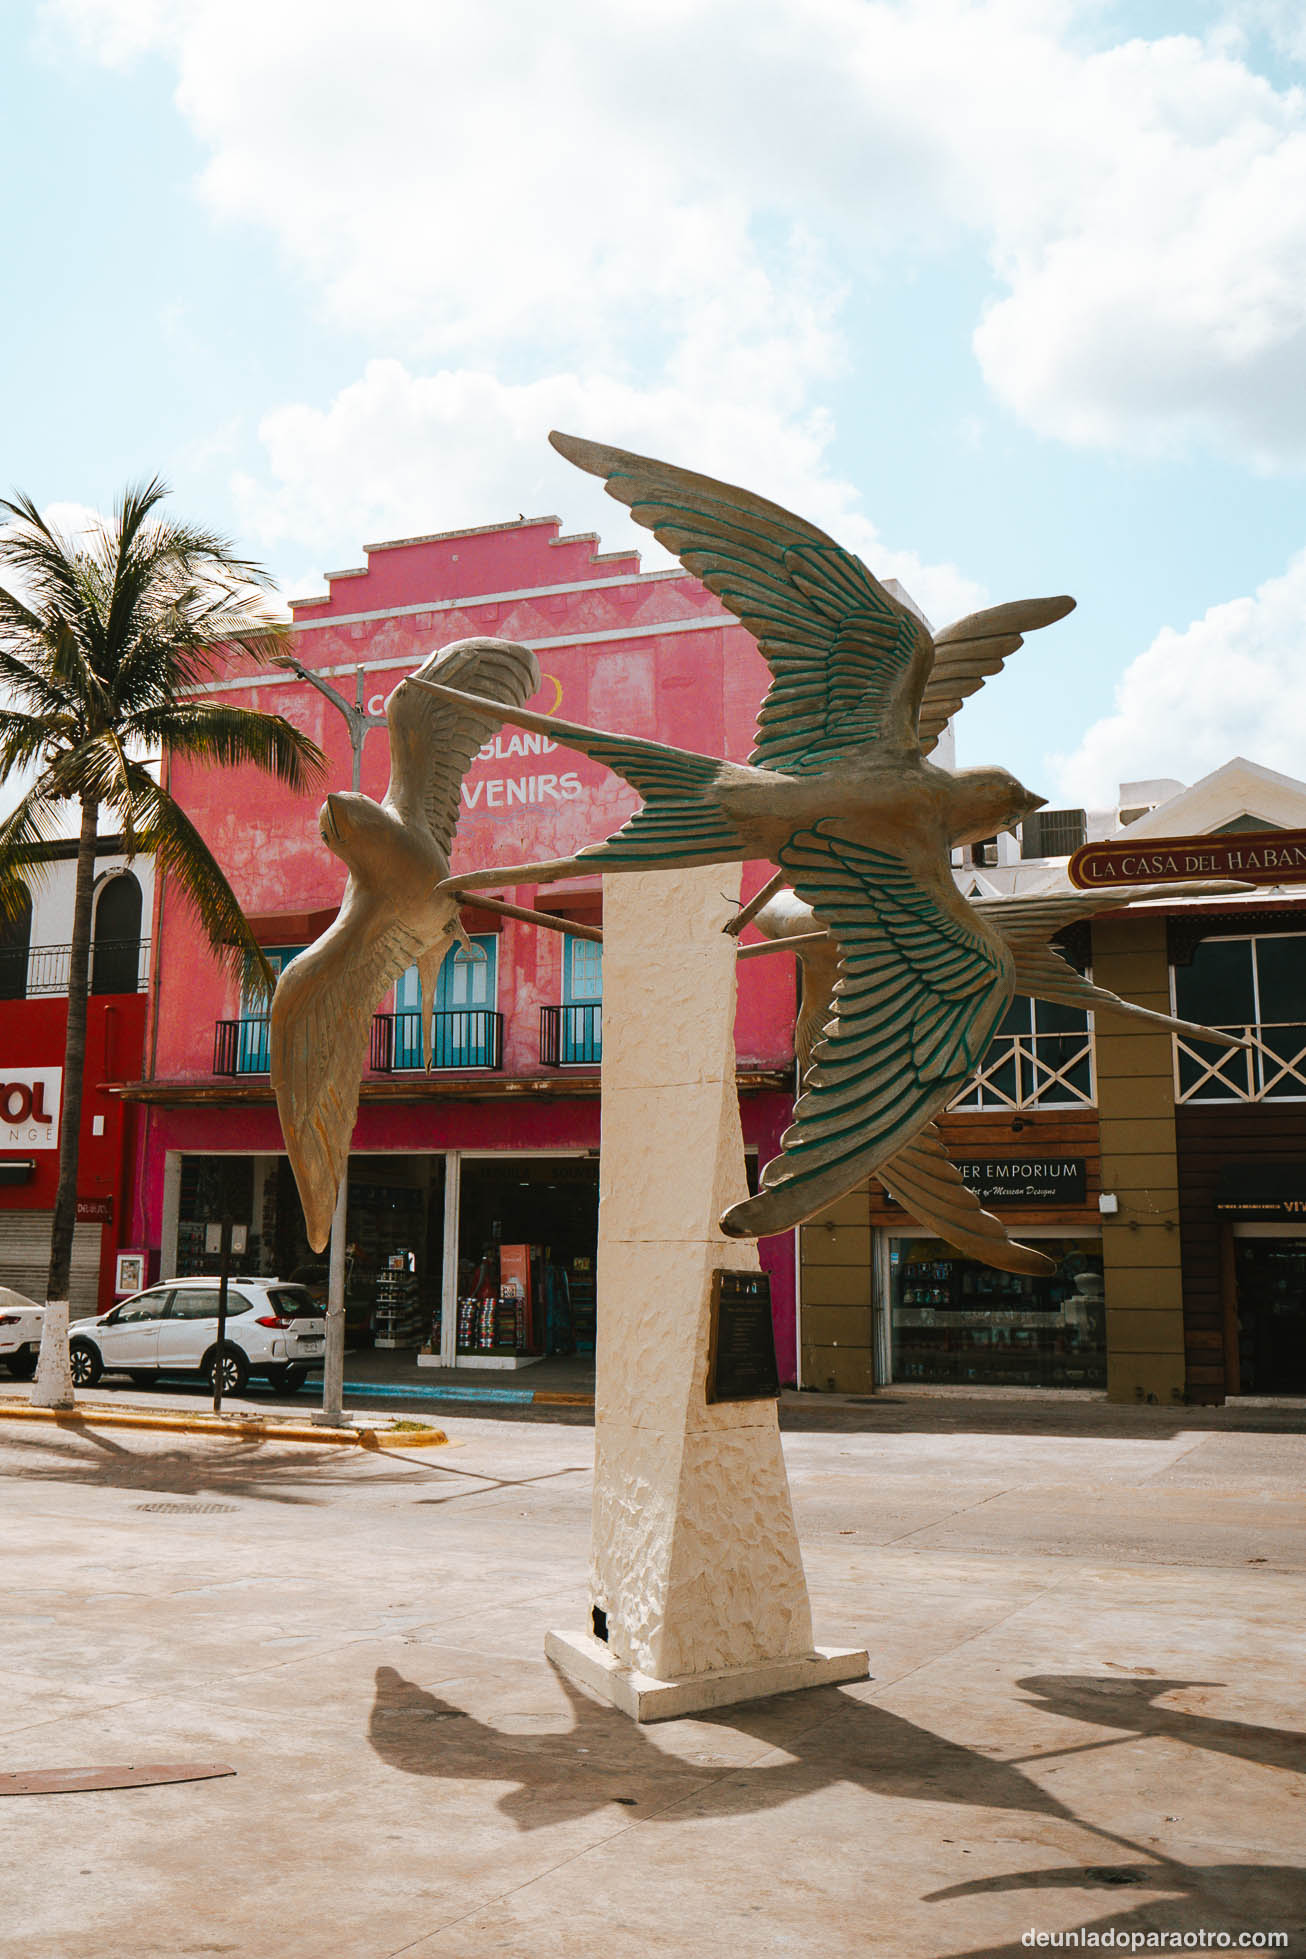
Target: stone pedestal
697	1578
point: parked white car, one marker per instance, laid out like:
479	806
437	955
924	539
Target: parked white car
21	1320
273	1328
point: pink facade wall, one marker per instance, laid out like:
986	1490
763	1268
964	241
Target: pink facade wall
679	670
644	653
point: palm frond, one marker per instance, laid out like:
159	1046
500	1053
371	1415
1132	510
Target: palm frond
217	732
146	560
16	617
32	822
24	739
31	685
46	562
162	826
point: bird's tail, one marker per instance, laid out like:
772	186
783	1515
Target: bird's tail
680	822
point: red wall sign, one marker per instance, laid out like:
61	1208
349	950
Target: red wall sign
29	1107
1252	856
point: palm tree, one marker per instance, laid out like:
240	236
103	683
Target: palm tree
107	640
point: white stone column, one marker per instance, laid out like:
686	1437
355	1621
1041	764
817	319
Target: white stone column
697	1571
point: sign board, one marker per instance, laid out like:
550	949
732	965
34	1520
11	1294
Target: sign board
741	1364
1252	856
95	1210
1025	1179
213	1240
129	1273
1270	1192
29	1108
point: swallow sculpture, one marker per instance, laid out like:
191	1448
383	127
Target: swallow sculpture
920	1176
839	793
393	916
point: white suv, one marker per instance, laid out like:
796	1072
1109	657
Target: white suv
21	1320
273	1328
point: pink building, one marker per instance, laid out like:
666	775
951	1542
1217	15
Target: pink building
497	1144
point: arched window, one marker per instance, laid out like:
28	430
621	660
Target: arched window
117	936
15	943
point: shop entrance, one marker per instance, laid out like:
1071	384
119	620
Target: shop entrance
527	1247
394	1247
471	1259
959	1322
1270	1283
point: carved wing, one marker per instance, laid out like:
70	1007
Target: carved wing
925	1182
433	742
1027	924
848	662
921	1177
967	653
922	987
321	1022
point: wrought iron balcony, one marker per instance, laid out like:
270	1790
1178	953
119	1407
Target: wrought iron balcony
35	972
571	1035
240	1047
461	1037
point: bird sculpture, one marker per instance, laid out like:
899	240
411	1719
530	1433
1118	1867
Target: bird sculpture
920	1176
839	793
392	917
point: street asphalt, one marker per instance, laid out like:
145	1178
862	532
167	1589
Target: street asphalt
1087	1629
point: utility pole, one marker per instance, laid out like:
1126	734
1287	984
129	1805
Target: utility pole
332	1414
358	721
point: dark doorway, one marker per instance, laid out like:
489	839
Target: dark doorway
1271	1280
15	943
117	945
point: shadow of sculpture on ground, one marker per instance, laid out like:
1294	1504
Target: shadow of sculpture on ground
830	1736
295	1474
1129	1705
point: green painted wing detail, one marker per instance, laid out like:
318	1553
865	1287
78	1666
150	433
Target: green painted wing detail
920	993
662	836
848	661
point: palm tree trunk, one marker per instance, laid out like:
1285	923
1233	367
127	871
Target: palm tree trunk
54	1384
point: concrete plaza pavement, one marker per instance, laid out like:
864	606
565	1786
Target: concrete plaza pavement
1087	1628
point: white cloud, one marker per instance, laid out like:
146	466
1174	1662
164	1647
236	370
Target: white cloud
398	454
632	188
1228	684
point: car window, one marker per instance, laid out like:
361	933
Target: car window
201	1303
148	1306
295	1303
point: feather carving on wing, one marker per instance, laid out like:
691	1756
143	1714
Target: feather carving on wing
848	660
397	851
921	987
968	653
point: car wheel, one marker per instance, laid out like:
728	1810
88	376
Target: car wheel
21	1366
85	1362
234	1369
287	1380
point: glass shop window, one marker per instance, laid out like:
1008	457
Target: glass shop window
1254	986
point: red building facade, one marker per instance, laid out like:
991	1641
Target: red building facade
497	1144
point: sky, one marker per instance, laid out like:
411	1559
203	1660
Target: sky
1008	295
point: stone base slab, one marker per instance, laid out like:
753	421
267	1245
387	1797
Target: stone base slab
484	1360
588	1661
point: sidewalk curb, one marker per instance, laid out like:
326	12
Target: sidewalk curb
458	1391
239	1428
